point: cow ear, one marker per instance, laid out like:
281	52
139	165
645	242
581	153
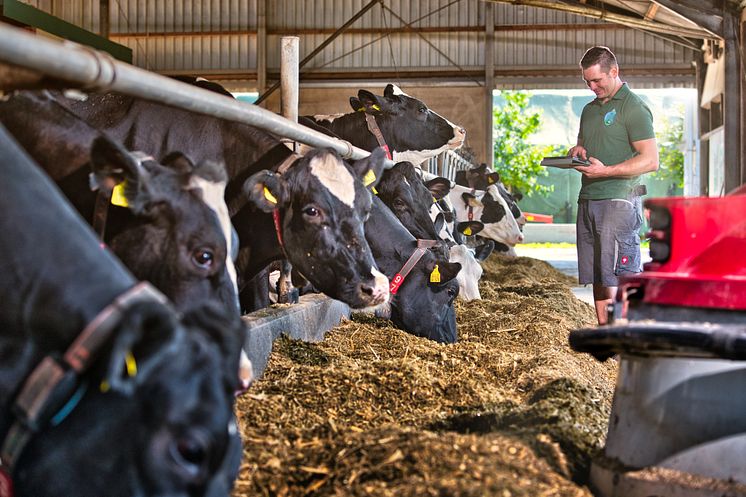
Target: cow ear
139	337
406	168
442	271
178	162
493	178
470	228
517	195
356	105
392	91
371	102
111	164
439	187
481	252
266	190
370	169
470	200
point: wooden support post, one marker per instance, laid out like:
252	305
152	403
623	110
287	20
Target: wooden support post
489	80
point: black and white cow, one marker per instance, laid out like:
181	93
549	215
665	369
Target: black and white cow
411	201
411	131
480	178
103	390
321	201
169	224
421	303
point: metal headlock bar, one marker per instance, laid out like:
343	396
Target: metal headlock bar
95	70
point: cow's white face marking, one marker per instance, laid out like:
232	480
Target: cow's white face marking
327	117
506	230
471	271
213	195
417	157
335	178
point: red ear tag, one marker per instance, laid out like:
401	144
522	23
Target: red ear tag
625	260
6	484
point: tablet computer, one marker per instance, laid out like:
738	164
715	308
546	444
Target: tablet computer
564	162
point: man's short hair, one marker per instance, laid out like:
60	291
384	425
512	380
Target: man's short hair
602	56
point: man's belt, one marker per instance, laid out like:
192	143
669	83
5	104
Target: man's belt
639	191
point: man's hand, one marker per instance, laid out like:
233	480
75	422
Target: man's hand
578	151
597	169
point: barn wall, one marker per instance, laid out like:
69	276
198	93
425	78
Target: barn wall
461	105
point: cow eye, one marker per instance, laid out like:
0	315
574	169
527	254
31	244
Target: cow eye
203	258
399	203
423	109
191	451
311	211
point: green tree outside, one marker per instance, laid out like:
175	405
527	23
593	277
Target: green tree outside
670	151
516	159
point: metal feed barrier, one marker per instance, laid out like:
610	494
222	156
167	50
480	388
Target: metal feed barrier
95	70
446	165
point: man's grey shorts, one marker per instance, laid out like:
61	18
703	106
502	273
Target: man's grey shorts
608	239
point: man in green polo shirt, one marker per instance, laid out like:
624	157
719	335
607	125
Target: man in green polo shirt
616	136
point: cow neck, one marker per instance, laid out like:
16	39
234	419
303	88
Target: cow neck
104	199
370	119
53	388
282	169
398	279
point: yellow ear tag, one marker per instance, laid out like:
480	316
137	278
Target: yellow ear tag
361	109
435	199
490	180
268	195
117	195
369	177
104	387
435	275
129	361
373	189
375	107
467	231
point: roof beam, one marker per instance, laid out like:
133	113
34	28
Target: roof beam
604	14
702	13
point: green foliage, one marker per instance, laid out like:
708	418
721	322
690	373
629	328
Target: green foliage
516	159
670	150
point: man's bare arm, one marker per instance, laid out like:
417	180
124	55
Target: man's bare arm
645	161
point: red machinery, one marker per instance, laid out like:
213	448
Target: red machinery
678	420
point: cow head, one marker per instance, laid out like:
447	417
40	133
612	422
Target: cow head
481	178
164	426
178	243
413	132
490	209
423	304
322	203
402	190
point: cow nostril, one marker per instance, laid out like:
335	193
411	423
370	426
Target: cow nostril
366	289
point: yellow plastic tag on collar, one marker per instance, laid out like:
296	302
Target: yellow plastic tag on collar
375	107
373	189
435	275
467	231
117	195
268	195
369	177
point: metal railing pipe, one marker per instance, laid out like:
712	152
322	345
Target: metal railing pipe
94	70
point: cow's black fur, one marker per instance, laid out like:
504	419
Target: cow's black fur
164	431
168	235
422	308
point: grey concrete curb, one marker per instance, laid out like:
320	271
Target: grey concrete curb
308	320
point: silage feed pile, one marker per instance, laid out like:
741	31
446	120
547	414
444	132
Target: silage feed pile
510	410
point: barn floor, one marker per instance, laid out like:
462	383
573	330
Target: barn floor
510	410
